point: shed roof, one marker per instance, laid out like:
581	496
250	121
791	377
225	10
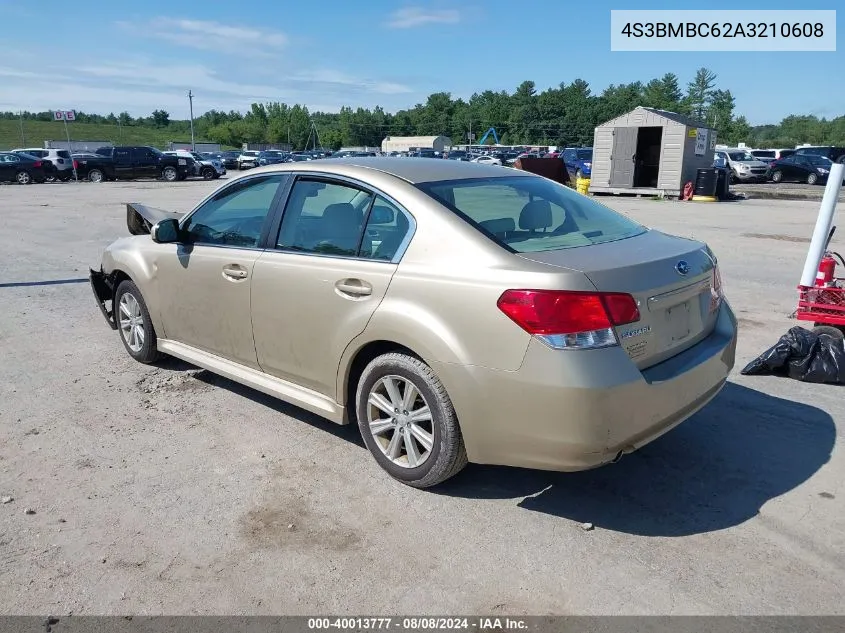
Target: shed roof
415	139
672	116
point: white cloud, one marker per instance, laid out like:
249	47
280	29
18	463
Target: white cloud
213	36
139	86
411	17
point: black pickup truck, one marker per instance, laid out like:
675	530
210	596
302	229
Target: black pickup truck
129	162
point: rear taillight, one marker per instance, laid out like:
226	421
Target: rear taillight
75	164
37	163
567	319
716	293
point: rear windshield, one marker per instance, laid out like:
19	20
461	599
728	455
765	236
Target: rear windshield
527	214
585	154
764	153
63	153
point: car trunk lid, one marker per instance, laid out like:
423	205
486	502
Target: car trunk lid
671	279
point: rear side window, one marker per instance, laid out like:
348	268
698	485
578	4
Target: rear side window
63	153
529	214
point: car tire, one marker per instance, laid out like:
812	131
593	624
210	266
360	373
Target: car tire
777	176
831	330
134	324
23	177
170	174
439	430
96	175
841	159
208	173
812	179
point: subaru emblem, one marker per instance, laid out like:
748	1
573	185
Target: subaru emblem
682	267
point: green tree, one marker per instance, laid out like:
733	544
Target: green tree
663	93
700	92
160	118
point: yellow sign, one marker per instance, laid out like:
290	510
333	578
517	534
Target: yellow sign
693	133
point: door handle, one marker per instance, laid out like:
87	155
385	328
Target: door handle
354	287
234	272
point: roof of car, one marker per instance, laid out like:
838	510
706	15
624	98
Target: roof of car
413	170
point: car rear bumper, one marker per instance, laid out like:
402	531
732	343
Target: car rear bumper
575	410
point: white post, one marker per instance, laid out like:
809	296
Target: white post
823	224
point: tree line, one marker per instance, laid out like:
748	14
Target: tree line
565	115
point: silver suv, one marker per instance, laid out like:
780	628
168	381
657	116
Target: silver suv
60	158
743	165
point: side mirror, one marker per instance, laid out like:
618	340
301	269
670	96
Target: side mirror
165	231
382	215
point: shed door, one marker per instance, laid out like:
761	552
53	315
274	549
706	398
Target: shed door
622	156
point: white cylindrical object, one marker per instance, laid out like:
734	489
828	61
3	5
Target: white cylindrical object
823	224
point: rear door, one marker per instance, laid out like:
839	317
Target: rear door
623	156
123	167
317	289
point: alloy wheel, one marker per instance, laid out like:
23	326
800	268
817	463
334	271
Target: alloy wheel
131	322
400	421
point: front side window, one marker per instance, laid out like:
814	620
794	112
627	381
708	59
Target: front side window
529	214
325	218
235	216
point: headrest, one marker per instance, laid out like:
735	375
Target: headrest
535	215
499	225
342	214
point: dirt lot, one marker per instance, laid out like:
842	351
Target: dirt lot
784	190
169	490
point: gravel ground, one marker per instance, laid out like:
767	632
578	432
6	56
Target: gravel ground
169	490
784	190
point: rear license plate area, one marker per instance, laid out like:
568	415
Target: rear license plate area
678	321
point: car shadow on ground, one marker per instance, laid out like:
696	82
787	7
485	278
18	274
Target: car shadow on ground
714	471
348	432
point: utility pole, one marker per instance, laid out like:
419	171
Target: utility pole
23	138
191	105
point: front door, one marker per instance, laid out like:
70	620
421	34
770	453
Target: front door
622	156
334	258
205	282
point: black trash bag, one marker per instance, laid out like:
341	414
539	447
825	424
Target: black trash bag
802	355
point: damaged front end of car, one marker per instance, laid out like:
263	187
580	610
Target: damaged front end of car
103	287
140	219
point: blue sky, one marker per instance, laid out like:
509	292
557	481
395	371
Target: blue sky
114	56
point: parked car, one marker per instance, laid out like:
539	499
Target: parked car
458	155
797	168
835	154
578	161
142	161
21	168
230	159
349	285
205	168
768	156
248	159
742	165
272	157
94	167
59	158
486	160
